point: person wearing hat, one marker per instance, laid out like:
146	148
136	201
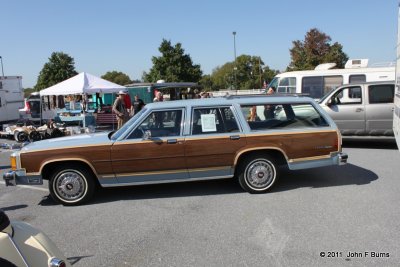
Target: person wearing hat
119	109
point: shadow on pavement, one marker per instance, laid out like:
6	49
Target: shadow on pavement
15	207
348	174
74	260
370	143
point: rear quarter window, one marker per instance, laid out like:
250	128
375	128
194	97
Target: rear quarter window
282	116
383	93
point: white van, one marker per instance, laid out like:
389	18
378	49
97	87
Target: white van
11	97
320	81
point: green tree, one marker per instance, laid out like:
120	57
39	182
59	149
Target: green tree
28	91
314	50
250	74
59	68
173	65
117	77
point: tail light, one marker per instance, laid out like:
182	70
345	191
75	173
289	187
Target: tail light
27	107
54	262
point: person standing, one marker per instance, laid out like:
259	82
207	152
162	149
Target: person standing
159	97
137	105
119	109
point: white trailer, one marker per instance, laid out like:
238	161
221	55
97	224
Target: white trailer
11	98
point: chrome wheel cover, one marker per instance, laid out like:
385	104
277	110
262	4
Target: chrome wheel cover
260	174
70	185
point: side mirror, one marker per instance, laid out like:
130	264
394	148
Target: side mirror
329	102
147	135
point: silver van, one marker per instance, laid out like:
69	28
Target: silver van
364	109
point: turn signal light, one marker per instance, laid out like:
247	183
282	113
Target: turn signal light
13	163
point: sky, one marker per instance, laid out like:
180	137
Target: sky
120	35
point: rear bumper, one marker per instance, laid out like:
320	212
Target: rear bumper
13	178
337	158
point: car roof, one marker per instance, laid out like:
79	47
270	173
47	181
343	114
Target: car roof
229	100
368	83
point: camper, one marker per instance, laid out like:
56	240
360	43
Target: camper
11	98
324	78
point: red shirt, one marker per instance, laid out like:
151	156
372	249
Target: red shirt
127	101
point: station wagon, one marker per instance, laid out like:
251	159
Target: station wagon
247	138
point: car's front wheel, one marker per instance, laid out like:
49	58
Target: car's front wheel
257	173
71	185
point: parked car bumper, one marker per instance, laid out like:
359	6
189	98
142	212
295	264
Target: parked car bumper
16	177
337	158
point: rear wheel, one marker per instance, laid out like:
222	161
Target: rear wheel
71	185
257	173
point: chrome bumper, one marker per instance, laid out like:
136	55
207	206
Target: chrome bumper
343	158
13	178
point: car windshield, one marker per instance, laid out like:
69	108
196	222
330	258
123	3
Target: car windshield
127	125
326	95
274	82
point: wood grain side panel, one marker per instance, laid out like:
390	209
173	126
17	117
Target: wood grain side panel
97	156
148	157
299	145
212	152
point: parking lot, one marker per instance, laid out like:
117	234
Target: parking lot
313	217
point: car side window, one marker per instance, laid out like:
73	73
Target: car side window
282	116
213	120
160	124
383	93
348	95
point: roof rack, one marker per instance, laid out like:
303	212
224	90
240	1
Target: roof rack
258	95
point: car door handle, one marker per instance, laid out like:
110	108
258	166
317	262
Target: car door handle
172	141
359	109
234	137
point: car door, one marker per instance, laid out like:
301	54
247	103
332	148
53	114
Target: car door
379	110
215	138
156	157
346	108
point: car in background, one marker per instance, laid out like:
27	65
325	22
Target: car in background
362	110
31	110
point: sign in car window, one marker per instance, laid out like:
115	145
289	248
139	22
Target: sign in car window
208	123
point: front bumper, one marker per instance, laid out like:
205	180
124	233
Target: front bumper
13	178
342	158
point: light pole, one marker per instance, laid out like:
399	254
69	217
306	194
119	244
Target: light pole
2	70
234	51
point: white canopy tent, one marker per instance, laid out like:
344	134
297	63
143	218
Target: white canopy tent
83	83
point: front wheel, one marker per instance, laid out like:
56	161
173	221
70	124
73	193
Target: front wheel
71	185
257	173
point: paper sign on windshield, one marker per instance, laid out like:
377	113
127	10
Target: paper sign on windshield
208	123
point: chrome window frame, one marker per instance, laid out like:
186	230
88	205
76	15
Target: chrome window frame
146	115
190	126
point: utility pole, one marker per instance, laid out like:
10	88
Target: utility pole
234	51
2	70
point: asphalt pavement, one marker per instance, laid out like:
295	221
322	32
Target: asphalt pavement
332	216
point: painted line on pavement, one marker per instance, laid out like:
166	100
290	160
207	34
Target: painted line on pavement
29	187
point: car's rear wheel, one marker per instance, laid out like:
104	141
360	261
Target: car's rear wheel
71	185
257	173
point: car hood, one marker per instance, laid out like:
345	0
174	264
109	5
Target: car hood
81	140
